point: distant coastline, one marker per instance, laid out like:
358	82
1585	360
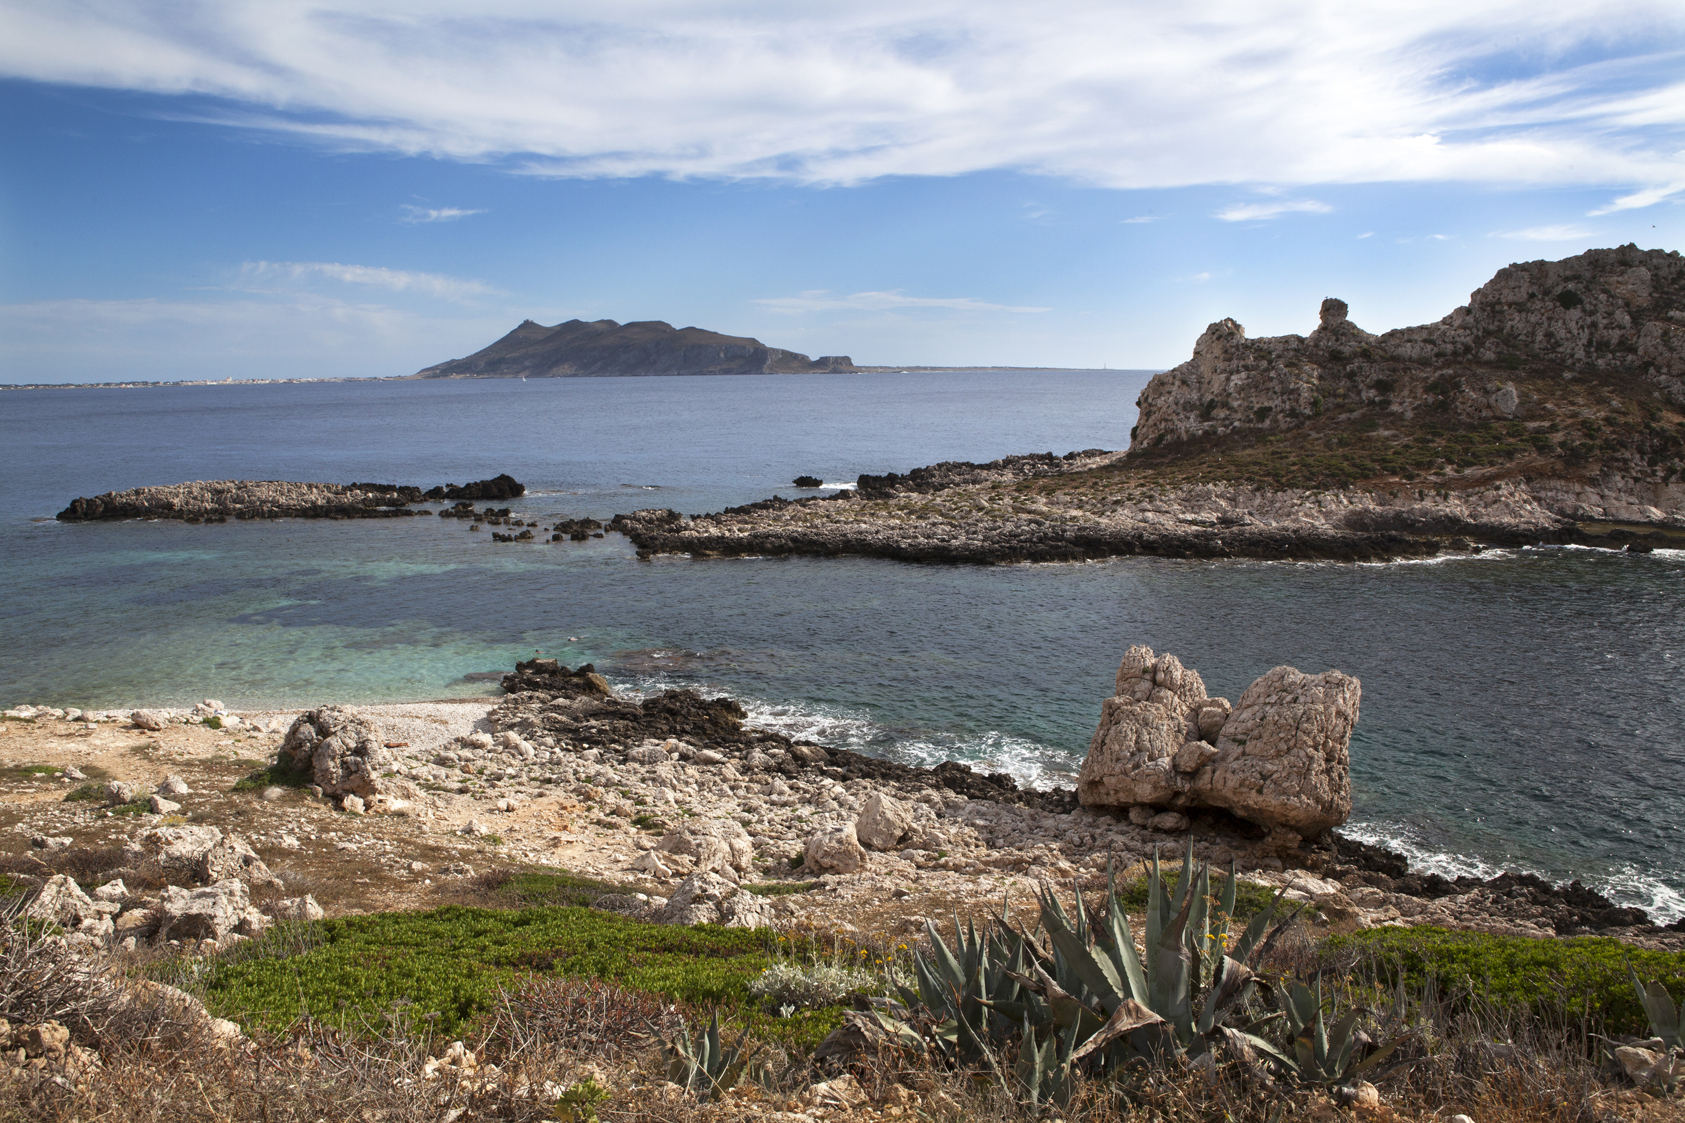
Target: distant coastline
142	385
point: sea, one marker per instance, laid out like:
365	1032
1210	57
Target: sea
1522	708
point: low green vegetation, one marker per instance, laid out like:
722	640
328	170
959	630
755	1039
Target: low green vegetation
83	793
782	888
445	967
1586	976
281	774
28	771
1250	897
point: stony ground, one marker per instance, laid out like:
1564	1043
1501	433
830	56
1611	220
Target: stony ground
613	812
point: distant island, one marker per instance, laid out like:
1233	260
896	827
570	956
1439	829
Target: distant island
605	348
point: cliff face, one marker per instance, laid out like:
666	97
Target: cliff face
1615	317
1564	377
606	348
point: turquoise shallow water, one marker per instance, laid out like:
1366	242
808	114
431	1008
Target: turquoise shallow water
1521	708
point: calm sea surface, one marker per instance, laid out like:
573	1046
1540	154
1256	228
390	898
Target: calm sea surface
1521	709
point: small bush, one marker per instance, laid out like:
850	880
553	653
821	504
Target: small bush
280	774
85	793
782	888
807	987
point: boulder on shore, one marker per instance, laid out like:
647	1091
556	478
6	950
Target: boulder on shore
1279	757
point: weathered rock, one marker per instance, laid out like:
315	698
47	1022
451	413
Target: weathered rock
60	901
117	792
836	850
883	823
296	908
152	720
49	1039
1280	758
343	749
162	806
707	898
1283	757
547	676
210	913
173	785
196	855
715	845
112	891
1168	821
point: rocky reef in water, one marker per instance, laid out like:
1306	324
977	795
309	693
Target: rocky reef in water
221	500
603	348
1550	408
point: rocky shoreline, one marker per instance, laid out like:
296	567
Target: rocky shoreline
202	501
701	816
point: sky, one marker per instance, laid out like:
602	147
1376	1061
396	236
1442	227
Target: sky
206	189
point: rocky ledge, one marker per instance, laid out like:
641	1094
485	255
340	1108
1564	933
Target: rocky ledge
1550	408
221	500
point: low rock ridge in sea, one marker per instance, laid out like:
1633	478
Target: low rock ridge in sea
1550	408
221	500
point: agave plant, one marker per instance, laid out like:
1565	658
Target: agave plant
1324	1054
1665	1019
709	1067
1090	1000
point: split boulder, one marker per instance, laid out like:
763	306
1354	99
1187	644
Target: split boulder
1279	757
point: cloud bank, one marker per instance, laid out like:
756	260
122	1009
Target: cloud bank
1119	93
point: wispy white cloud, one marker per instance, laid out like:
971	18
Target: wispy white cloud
266	274
821	300
1648	197
1122	93
304	335
1142	218
414	214
1558	232
1252	212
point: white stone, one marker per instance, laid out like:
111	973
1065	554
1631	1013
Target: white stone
884	823
836	850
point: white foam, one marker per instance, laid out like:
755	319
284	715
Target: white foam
1628	886
1030	763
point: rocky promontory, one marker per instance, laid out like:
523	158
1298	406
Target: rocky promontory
1550	408
221	500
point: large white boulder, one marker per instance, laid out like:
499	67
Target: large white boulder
835	850
210	913
883	823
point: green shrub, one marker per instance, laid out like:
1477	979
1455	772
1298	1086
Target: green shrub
445	967
782	888
281	774
1250	897
133	807
84	793
1572	977
553	888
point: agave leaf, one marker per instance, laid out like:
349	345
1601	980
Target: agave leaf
1096	973
1341	1041
1122	951
948	967
1658	1004
1226	988
1129	1016
1255	929
1368	1064
1227	901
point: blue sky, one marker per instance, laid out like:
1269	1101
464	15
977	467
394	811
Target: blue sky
287	188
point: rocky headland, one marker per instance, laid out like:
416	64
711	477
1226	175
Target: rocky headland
221	500
1549	408
605	348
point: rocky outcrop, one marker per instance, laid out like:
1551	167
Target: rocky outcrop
193	854
346	756
202	501
605	348
1604	313
550	677
707	898
711	846
1279	759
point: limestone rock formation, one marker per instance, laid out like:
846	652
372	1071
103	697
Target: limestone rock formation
883	823
1279	759
708	898
834	850
346	756
1605	312
714	845
207	501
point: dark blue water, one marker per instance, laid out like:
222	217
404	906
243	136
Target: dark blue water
1520	709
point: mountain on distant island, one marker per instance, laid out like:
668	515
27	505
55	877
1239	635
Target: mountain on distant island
600	348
